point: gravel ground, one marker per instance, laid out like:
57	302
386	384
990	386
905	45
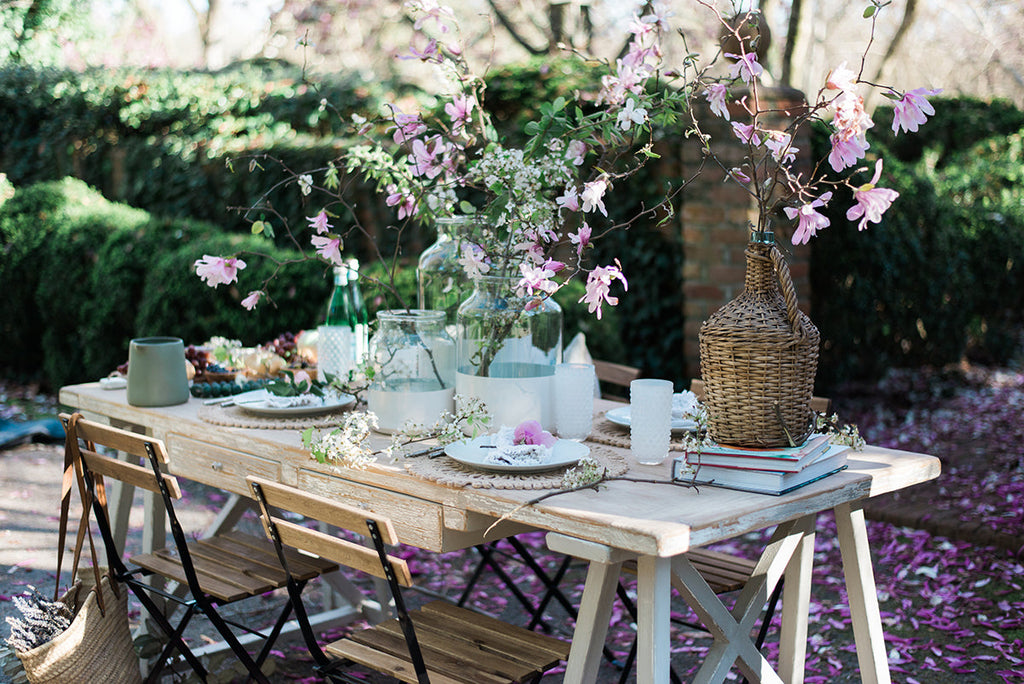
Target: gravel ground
952	610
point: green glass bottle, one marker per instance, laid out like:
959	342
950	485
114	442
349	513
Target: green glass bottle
360	317
335	338
339	307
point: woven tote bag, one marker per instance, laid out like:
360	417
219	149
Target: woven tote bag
97	647
758	358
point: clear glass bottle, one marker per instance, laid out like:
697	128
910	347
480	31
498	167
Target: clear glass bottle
507	347
442	282
360	317
335	338
414	368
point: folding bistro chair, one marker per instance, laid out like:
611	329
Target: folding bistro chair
439	642
218	570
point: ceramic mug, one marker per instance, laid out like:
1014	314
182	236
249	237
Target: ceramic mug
156	372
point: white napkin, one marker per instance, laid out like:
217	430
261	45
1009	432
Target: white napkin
507	452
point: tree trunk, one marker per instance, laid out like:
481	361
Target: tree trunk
792	32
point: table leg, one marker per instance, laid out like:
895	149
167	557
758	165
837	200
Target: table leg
796	601
605	565
860	587
653	602
731	630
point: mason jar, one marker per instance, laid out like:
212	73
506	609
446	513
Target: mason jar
507	347
413	360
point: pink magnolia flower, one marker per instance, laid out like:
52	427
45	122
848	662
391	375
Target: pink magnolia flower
569	199
745	66
252	299
841	78
872	202
407	126
553	265
716	94
659	16
329	248
581	238
746	133
912	110
459	109
216	271
739	174
576	152
428	54
537	278
530	432
781	147
432	10
319	222
593	192
424	159
810	220
474	260
630	115
598	285
850	120
846	152
405	202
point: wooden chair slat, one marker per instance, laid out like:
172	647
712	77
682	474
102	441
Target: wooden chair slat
443	654
341	551
256	573
170	568
116	438
324	509
262	551
135	475
490	646
399	668
532	640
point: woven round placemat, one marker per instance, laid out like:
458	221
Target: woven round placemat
234	416
450	472
605	431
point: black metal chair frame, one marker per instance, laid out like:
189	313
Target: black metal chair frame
197	602
324	665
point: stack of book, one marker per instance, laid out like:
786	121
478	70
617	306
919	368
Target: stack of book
767	471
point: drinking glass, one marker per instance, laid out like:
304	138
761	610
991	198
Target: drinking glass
650	420
574	400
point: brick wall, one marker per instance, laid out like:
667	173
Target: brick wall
714	217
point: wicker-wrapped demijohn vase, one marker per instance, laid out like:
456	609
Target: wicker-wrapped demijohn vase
758	357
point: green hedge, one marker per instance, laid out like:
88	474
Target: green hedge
942	276
83	275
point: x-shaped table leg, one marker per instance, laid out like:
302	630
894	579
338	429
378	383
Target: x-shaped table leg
730	630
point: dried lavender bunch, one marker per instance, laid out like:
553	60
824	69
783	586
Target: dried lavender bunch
40	623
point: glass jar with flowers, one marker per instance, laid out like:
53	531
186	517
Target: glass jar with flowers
507	346
412	362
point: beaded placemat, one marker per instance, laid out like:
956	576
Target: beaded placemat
447	471
605	431
234	416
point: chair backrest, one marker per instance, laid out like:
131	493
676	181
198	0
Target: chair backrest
818	404
273	497
85	436
616	374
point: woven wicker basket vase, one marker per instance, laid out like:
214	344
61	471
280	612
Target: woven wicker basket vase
758	357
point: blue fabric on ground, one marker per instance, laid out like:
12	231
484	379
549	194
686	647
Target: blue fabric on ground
43	430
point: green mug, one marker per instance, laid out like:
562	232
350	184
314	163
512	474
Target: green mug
156	372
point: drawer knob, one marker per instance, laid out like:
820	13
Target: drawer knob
217	466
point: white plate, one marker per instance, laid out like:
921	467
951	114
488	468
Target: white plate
474	454
256	402
620	416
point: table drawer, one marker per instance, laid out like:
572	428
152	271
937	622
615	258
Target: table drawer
417	521
217	466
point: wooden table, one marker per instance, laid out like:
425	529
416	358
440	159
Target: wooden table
653	523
